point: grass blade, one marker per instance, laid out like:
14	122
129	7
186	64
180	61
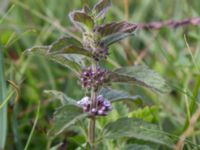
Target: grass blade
33	128
3	111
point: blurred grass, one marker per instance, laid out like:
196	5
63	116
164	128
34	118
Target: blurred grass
36	22
3	109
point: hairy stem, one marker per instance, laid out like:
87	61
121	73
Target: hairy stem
91	130
92	133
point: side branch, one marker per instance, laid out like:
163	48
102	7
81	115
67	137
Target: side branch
169	24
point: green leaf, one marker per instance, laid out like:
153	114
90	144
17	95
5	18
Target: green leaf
72	61
87	9
138	129
81	20
61	96
65	117
114	32
113	38
101	8
137	147
115	27
75	50
63	43
3	111
117	95
139	75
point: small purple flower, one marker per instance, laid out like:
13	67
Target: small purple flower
100	99
100	112
93	78
103	106
93	110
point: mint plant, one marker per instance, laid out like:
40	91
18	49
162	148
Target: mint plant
96	81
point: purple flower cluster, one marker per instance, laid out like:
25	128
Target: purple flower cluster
93	78
103	106
100	54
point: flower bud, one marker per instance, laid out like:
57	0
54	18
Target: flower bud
100	54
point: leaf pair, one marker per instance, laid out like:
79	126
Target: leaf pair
139	75
85	19
70	113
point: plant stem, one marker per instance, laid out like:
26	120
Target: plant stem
91	130
92	133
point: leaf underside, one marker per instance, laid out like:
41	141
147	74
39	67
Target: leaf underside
113	38
117	95
60	96
101	8
72	61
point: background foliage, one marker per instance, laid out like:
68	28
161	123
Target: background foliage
174	53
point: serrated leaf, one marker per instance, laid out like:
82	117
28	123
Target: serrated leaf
114	32
75	50
65	117
64	42
72	61
115	27
64	45
137	147
81	20
138	129
113	38
139	75
101	8
61	96
117	95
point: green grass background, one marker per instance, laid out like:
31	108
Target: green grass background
26	23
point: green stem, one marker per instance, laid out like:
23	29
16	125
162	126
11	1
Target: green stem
92	133
92	123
